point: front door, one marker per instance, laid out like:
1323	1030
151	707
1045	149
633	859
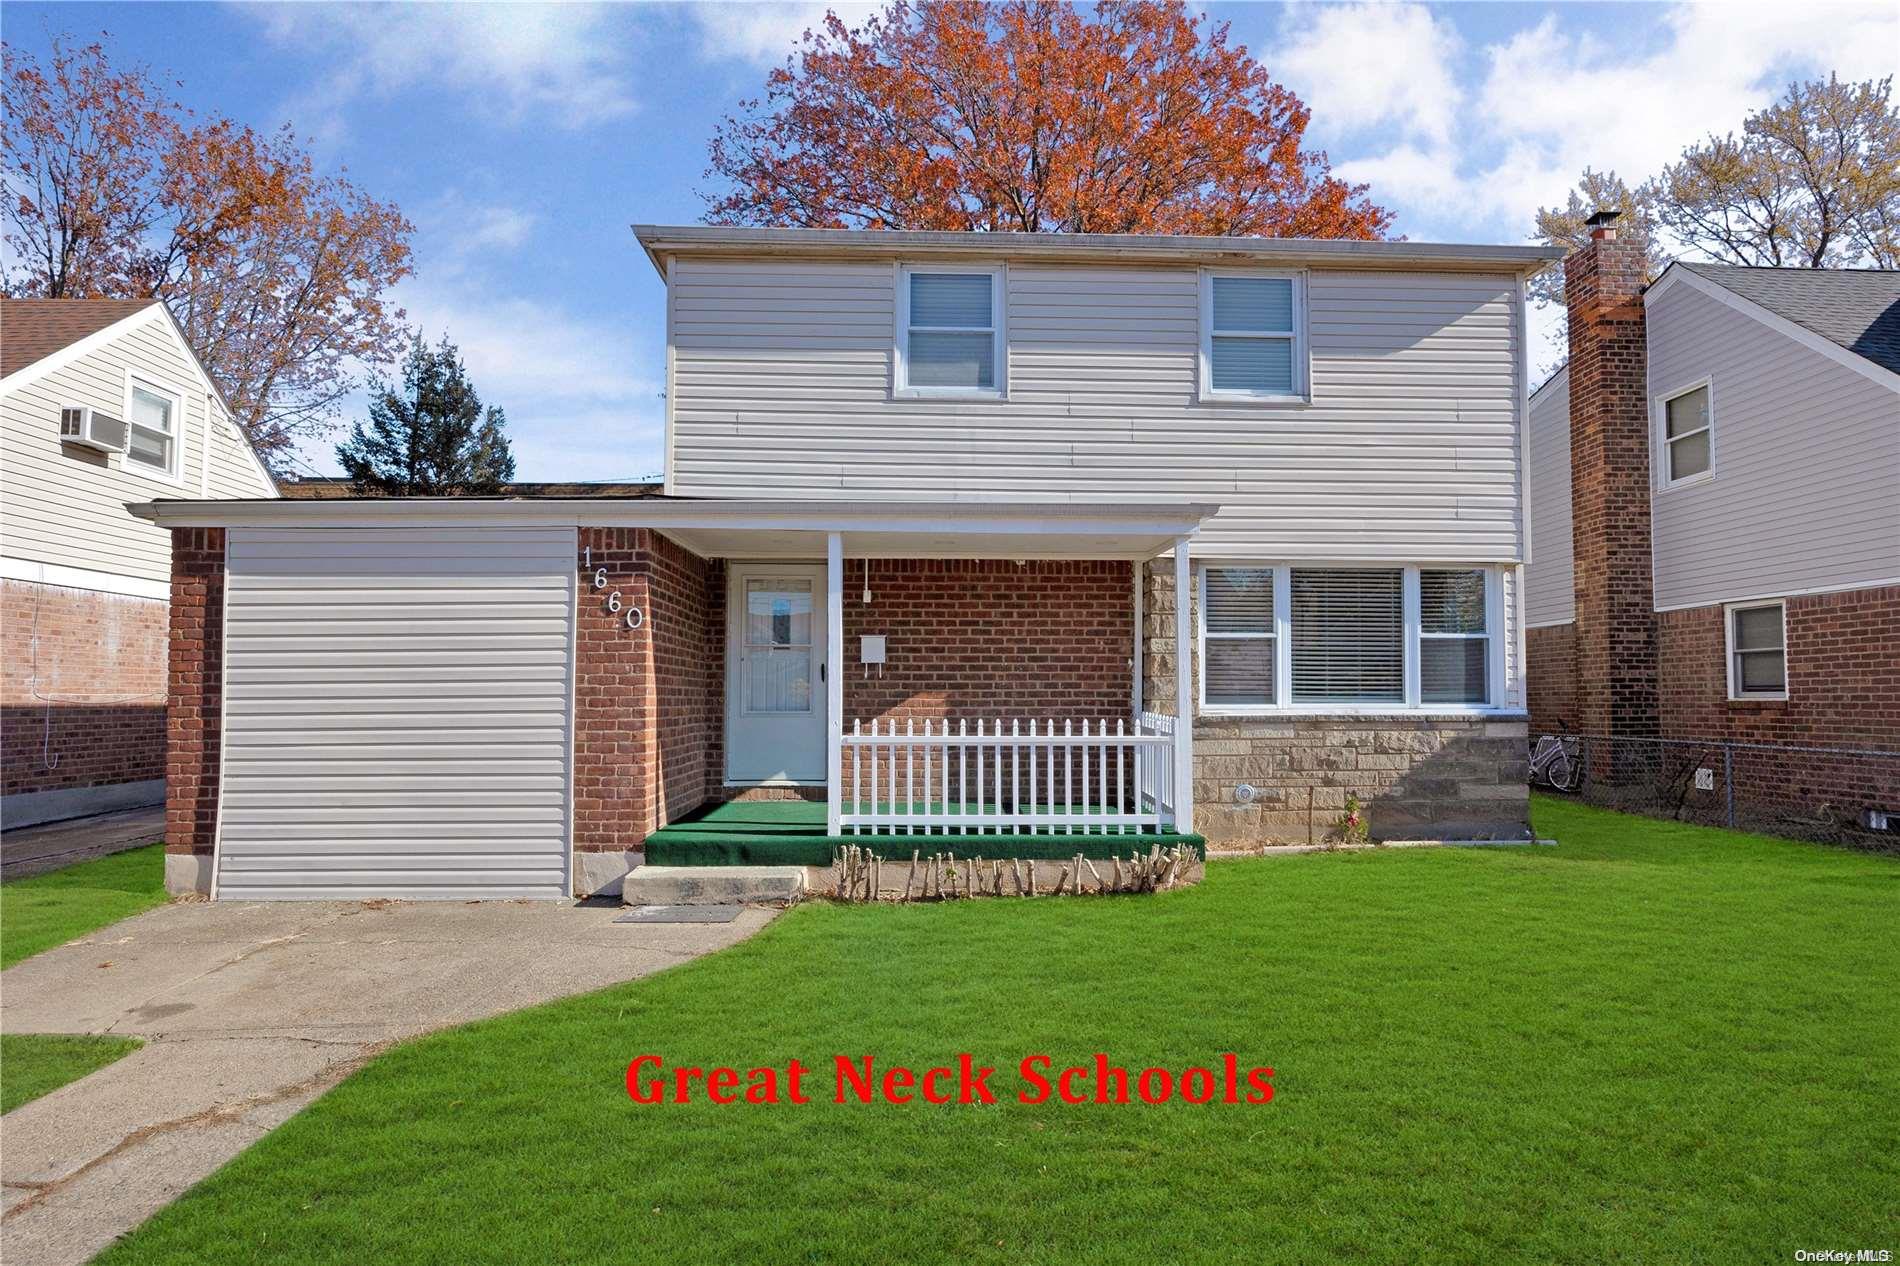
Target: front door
775	690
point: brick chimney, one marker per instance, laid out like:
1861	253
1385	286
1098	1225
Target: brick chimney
1609	480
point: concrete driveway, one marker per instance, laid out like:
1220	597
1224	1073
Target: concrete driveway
250	1011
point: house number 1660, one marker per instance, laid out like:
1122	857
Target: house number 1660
634	616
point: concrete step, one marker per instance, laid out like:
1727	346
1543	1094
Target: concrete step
712	885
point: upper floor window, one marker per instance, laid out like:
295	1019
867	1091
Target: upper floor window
152	422
1253	336
1688	428
951	336
1757	651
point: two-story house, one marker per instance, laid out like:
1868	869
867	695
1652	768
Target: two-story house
1717	532
997	543
102	403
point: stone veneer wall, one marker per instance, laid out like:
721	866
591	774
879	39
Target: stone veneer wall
1420	777
82	696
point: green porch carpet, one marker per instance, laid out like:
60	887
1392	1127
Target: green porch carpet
792	833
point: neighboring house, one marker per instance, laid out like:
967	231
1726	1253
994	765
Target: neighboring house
930	499
102	402
335	487
1715	518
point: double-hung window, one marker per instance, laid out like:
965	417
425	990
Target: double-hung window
950	332
1757	651
1454	638
1253	337
152	416
1348	639
1688	429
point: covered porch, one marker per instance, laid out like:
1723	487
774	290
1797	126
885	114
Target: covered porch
951	677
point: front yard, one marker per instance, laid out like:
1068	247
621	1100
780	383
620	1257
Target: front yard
1654	1042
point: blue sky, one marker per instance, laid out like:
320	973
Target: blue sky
524	139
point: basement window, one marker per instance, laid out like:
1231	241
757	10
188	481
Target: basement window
1757	651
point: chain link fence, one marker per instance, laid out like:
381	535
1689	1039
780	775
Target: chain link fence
1827	794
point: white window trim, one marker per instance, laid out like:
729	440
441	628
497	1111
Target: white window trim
131	465
1302	393
1284	705
1660	424
1735	692
999	333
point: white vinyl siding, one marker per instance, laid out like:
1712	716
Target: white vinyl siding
782	374
65	505
396	713
1252	337
1341	639
1807	458
1549	580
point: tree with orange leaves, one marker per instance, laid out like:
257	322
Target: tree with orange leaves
1035	117
279	274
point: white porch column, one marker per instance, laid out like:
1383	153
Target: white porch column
834	680
1183	690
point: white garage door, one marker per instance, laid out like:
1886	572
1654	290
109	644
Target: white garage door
396	713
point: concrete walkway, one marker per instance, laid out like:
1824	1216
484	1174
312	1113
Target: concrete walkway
251	1010
32	850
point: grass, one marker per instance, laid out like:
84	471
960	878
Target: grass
35	1064
1653	1043
41	911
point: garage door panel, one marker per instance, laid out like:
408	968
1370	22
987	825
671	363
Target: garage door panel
397	713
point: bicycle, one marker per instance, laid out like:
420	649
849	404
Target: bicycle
1554	762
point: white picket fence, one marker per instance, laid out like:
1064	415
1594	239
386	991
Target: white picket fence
1042	776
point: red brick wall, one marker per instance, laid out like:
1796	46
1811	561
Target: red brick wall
82	688
989	639
1552	679
195	708
1843	654
1615	648
643	715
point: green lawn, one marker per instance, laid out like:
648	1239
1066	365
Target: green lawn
1653	1043
41	911
35	1064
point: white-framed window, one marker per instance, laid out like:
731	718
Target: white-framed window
1757	650
1687	422
950	336
1253	336
155	428
1239	636
1338	638
1454	637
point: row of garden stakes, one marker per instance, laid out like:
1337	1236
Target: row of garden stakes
861	875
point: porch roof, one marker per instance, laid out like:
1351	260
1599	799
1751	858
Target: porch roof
718	528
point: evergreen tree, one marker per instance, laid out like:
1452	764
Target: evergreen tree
429	436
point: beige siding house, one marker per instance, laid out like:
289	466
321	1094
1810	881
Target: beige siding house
85	581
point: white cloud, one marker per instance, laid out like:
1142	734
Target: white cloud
558	63
765	34
1372	65
1472	155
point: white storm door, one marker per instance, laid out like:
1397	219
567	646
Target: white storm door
775	689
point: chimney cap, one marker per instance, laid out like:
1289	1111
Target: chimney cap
1603	218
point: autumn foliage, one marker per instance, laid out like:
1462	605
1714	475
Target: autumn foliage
279	273
1038	117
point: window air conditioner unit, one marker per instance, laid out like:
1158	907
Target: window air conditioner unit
91	428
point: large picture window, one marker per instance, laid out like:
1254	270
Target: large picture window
1348	639
951	336
1252	337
